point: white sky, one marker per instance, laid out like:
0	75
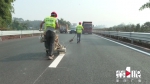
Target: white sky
101	12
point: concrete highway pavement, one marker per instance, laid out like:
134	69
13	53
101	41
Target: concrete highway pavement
93	61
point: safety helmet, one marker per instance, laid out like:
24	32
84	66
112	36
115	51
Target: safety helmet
54	14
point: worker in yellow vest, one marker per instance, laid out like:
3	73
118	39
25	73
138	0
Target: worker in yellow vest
51	24
79	29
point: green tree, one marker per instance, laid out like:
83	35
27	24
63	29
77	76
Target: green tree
63	22
6	8
25	24
146	5
146	26
15	25
137	28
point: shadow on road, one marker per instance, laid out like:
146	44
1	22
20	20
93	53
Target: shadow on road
26	56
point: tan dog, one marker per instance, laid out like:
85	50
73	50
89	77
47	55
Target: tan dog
56	43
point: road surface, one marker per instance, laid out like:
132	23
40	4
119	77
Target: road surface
93	61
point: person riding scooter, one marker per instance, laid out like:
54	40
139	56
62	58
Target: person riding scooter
51	24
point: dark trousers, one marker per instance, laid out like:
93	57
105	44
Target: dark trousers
49	43
78	37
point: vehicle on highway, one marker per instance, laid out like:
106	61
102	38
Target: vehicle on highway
88	26
72	30
63	30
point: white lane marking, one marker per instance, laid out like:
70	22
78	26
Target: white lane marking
56	61
40	76
126	46
53	65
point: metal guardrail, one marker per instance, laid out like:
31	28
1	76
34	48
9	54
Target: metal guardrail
18	32
130	35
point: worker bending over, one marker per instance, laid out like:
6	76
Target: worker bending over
51	24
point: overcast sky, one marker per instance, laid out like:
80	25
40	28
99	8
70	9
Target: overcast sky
101	12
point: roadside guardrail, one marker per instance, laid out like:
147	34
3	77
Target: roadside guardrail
138	36
11	34
18	32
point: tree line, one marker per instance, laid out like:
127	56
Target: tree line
21	24
129	28
7	22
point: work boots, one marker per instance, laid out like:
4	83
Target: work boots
51	57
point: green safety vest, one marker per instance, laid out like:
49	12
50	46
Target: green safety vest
50	22
79	28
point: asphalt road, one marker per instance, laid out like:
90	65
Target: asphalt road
93	61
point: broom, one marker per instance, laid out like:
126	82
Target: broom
72	38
